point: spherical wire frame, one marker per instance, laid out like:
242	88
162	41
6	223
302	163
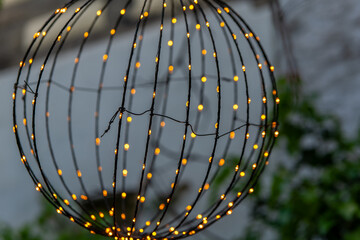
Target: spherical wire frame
183	224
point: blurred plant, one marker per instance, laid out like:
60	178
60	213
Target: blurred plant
316	195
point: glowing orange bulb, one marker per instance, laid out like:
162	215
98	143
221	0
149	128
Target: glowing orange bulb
184	161
221	162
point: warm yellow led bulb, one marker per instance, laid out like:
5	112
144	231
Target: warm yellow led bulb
221	162
126	146
184	161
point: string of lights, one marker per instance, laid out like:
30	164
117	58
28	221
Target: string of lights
130	141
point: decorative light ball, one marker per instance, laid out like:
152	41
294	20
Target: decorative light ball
145	119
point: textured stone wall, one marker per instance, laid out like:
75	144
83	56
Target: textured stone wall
326	37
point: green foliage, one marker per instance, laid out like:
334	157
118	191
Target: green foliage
48	226
318	196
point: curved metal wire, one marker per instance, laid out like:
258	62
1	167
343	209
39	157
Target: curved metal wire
184	67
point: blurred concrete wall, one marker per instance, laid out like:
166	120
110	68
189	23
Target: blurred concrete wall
326	37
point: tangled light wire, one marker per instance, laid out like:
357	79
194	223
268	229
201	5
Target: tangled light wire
129	139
